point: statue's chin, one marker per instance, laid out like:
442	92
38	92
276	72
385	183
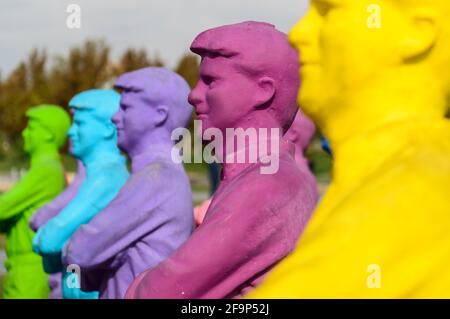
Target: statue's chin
122	145
75	152
309	104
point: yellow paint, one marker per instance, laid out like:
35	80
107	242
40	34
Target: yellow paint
380	95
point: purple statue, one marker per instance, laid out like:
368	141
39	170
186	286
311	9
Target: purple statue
152	215
248	80
43	215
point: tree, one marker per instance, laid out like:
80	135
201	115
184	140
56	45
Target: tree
188	68
13	100
86	67
134	59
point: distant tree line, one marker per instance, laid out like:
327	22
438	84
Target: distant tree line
38	80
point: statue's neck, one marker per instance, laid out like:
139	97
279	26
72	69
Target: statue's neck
44	152
155	151
103	153
368	125
300	156
266	152
362	154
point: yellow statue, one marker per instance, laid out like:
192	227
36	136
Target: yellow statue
376	80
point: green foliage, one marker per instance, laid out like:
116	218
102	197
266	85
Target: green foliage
320	162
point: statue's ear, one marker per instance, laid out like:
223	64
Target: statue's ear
161	114
422	34
265	92
48	136
110	130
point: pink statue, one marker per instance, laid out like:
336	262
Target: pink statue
200	211
300	133
249	80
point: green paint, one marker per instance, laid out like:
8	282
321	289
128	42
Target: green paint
44	135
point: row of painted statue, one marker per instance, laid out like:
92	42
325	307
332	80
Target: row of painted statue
381	230
114	225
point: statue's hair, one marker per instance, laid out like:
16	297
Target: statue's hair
103	104
161	86
54	119
259	50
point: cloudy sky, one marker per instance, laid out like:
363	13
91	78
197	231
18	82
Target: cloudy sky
166	26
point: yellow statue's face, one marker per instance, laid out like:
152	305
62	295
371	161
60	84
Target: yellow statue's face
346	46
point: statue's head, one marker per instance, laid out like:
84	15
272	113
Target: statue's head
246	68
301	131
92	123
47	125
154	102
353	51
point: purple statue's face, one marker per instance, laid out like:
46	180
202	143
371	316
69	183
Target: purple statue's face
133	119
223	95
153	103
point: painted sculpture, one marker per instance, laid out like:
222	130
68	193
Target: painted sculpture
248	80
300	134
43	137
94	141
152	215
45	213
381	230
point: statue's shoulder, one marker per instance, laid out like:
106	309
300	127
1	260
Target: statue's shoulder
430	161
419	181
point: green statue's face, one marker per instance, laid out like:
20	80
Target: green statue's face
35	135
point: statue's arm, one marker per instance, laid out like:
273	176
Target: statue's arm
50	210
131	216
218	258
92	196
24	194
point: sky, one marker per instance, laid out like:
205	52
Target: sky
164	26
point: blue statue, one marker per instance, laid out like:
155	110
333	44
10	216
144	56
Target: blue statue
94	142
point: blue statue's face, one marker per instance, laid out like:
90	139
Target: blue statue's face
85	133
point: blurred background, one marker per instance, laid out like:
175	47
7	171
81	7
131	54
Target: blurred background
44	60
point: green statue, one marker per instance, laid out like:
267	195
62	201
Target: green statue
44	135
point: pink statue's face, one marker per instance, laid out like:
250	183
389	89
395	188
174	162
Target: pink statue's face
301	130
223	95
